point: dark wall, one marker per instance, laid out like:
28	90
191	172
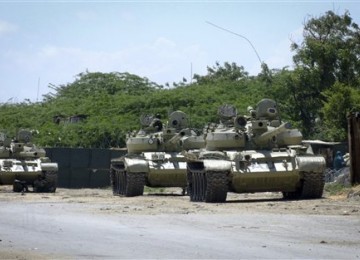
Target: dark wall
83	168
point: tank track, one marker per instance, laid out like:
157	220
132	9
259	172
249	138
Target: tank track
312	187
128	184
51	178
207	186
46	183
19	186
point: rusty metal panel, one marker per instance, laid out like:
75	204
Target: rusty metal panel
354	146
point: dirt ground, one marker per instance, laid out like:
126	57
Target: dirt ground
170	201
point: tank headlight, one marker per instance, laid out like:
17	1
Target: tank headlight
151	141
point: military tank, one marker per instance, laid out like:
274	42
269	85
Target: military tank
254	153
154	155
22	164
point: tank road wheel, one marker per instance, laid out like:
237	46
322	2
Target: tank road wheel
216	186
313	185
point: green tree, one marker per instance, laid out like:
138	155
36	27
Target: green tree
227	72
332	47
329	53
341	99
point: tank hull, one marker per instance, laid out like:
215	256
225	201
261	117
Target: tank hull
23	173
152	169
257	171
166	170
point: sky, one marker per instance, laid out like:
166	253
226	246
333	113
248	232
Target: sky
46	43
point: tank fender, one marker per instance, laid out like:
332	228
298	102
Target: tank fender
217	165
49	166
311	163
136	165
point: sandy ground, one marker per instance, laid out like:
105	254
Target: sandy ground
170	202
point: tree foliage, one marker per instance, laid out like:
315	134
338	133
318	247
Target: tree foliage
331	46
341	100
227	72
329	53
315	96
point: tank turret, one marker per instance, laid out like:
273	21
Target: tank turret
229	133
265	129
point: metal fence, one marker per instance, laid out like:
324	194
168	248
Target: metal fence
83	168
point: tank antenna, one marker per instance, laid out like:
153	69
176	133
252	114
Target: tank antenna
37	93
242	36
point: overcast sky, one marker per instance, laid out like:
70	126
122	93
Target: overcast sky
50	42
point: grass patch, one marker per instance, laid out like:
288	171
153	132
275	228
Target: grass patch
336	188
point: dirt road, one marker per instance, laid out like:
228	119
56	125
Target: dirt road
91	223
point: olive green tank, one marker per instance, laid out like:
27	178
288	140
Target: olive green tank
22	164
154	155
254	153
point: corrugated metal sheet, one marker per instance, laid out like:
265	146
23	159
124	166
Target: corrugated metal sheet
83	168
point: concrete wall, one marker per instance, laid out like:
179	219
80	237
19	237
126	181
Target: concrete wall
83	168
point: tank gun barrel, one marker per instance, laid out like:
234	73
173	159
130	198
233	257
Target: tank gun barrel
31	154
176	138
271	135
